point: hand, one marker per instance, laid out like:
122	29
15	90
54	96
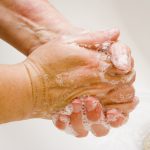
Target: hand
54	64
45	27
91	75
116	105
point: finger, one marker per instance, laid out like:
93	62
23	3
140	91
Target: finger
115	118
120	120
76	119
122	94
124	107
116	79
94	110
95	114
100	129
121	57
96	39
61	121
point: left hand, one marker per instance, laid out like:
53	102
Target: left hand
40	28
31	29
88	113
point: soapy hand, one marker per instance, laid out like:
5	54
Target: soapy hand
63	66
66	70
88	113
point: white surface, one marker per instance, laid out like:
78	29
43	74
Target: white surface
132	17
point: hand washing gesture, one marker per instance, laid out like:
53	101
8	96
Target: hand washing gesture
111	104
95	76
81	80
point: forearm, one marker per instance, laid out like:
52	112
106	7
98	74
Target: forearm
38	11
15	93
28	24
17	30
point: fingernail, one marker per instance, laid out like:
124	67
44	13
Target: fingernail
77	105
91	104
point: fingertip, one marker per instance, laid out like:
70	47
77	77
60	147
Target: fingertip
62	122
76	122
99	130
121	57
114	34
121	120
115	118
83	134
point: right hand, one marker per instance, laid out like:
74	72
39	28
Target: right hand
38	20
69	71
113	108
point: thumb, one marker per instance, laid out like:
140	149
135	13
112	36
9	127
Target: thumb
95	40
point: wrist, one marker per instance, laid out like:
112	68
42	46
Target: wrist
38	81
15	93
24	87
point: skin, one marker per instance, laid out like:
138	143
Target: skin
117	101
40	25
15	93
47	25
65	84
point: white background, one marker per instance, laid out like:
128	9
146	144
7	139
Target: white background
132	17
